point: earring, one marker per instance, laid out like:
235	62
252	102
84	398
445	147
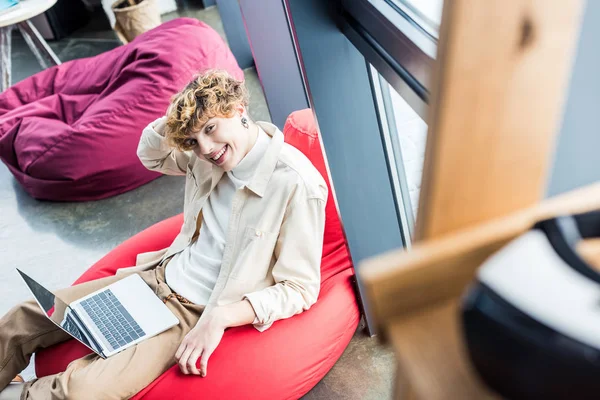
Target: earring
245	123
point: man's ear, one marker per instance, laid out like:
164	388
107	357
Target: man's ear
240	109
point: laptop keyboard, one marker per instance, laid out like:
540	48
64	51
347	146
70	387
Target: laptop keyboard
112	319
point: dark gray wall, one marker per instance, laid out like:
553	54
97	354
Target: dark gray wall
274	56
577	157
233	24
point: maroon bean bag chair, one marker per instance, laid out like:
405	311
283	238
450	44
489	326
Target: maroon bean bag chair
70	132
285	361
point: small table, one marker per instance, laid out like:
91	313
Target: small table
19	18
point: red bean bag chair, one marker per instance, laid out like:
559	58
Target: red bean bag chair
70	132
285	361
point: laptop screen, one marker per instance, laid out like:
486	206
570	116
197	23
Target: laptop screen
58	312
53	307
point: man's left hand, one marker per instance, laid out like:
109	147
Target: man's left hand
200	342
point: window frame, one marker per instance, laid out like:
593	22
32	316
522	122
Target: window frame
391	146
413	14
396	38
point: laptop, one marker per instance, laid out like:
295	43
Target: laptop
110	319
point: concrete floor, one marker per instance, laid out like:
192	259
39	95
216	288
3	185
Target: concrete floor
57	242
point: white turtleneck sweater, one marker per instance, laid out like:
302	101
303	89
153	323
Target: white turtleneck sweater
193	272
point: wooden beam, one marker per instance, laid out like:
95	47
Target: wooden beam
429	345
400	283
501	80
589	250
416	298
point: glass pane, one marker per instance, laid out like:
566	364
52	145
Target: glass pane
411	131
405	137
426	13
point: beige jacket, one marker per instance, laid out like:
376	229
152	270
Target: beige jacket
274	240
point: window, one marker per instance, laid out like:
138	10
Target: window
425	13
404	135
399	38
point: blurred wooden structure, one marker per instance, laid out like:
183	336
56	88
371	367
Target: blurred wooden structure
502	77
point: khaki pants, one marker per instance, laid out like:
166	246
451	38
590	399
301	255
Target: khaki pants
25	329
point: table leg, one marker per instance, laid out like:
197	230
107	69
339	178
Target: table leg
5	63
37	44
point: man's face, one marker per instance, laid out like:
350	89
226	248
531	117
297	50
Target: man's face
222	141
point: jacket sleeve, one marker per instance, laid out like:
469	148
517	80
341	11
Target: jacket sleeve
156	154
297	271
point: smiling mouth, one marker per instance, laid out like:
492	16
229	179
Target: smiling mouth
218	157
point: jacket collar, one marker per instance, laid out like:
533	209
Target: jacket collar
265	168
